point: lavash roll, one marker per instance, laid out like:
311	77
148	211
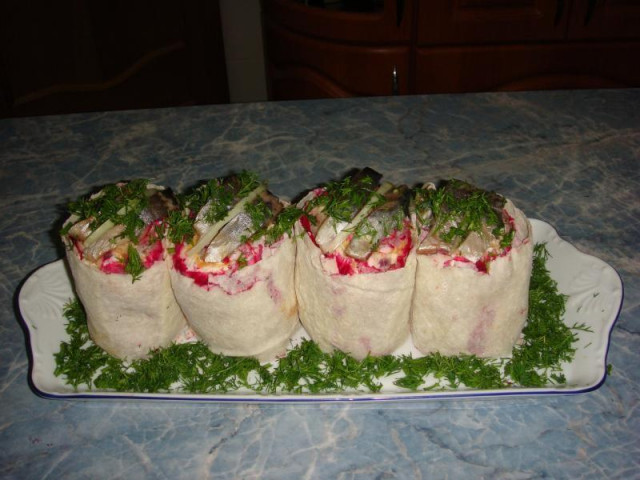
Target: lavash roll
248	312
244	304
461	307
359	313
127	318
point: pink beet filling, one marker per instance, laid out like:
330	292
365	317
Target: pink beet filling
251	254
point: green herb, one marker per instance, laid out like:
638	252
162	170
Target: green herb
119	204
506	239
342	199
79	359
306	368
259	212
272	231
132	223
284	223
190	364
193	368
469	370
180	227
242	261
387	225
134	266
547	340
458	209
220	194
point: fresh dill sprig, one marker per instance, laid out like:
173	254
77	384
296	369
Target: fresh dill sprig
180	227
458	208
107	205
134	265
468	370
220	194
272	229
547	341
78	359
342	199
306	368
259	212
124	204
284	223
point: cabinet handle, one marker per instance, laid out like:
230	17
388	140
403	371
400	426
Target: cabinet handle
559	12
399	12
590	9
394	81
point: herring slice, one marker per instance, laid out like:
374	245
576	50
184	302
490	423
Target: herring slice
102	229
344	233
207	237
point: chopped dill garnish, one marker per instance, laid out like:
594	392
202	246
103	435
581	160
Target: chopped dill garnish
259	212
107	205
342	199
78	359
458	208
193	368
284	223
376	227
547	341
306	368
220	194
132	206
180	227
242	261
469	370
217	197
134	266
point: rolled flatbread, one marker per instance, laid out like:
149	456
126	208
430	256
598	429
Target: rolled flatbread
127	319
234	278
474	306
359	307
130	311
363	314
251	311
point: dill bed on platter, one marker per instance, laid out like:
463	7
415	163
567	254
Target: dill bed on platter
193	368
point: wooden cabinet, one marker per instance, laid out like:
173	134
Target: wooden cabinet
610	19
385	23
86	55
479	45
314	52
440	46
462	22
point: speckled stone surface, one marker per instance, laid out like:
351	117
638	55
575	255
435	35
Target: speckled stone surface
569	158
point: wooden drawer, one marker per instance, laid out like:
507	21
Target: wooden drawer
527	67
392	24
304	67
611	19
490	21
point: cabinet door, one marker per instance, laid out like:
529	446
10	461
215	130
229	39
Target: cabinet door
490	21
605	19
527	67
63	57
388	23
301	67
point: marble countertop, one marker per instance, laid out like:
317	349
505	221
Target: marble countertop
570	158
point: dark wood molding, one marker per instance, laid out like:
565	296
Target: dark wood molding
90	55
452	46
